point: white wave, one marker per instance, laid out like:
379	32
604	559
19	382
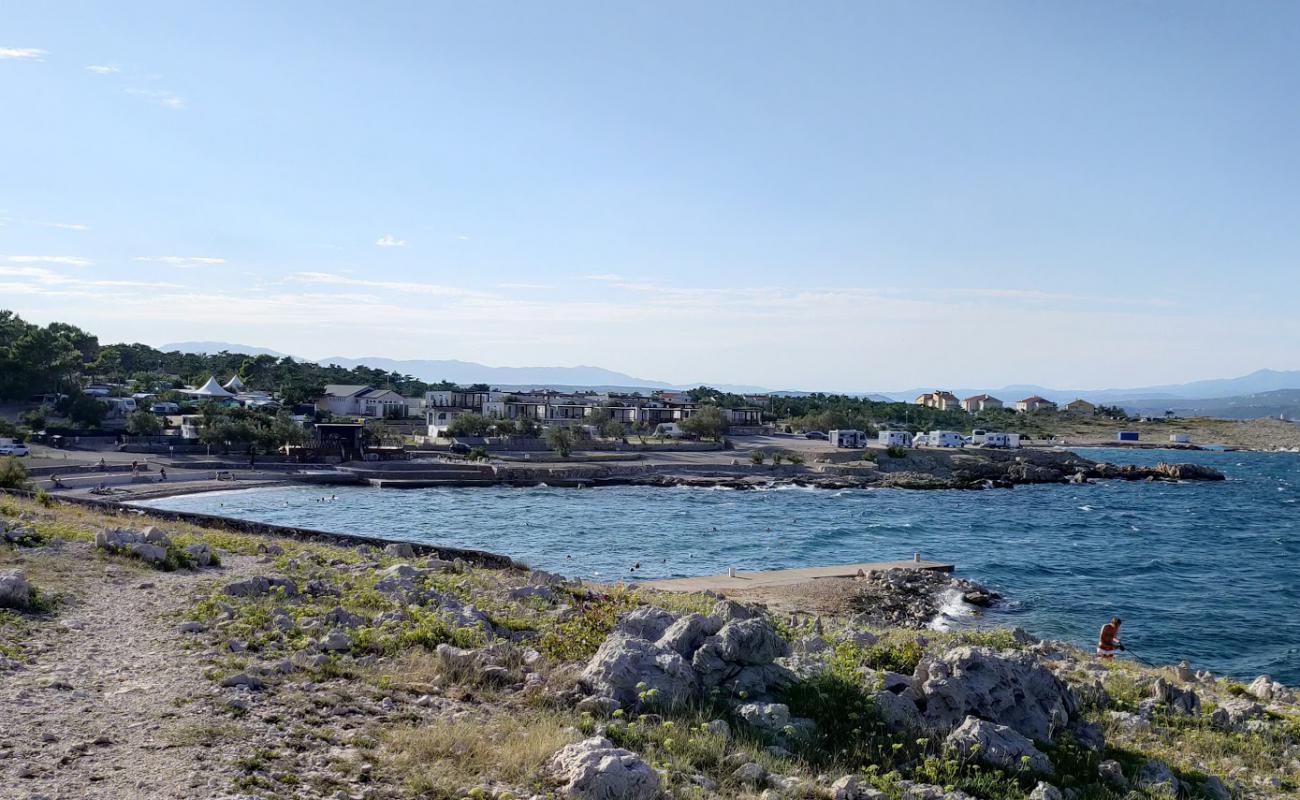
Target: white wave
951	611
1085	508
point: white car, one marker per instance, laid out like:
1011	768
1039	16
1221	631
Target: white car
14	450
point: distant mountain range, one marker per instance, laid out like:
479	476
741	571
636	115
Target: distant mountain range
1283	403
1264	380
1264	392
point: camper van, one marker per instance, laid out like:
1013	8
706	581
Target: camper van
894	438
978	436
853	439
946	439
998	440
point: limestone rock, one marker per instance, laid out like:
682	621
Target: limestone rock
770	717
625	666
1183	702
336	642
1046	791
855	787
1233	713
1267	689
898	711
1014	690
1155	774
998	745
646	622
200	554
686	634
750	774
1112	774
260	585
15	591
594	769
399	550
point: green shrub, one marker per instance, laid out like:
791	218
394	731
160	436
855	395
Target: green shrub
578	638
43	497
896	451
757	457
13	475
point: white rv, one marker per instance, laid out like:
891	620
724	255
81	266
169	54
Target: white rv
946	439
978	436
854	439
998	440
894	438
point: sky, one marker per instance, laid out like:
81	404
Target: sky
842	196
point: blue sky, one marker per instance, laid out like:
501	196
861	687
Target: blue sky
831	195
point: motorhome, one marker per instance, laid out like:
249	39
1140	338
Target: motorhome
894	438
945	439
847	438
998	440
978	436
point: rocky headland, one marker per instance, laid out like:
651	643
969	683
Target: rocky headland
159	659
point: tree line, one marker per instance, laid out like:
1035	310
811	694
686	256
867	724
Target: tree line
62	358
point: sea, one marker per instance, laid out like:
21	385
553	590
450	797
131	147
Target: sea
1203	572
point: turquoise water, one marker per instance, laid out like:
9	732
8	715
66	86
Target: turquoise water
1206	572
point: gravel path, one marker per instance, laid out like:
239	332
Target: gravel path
107	683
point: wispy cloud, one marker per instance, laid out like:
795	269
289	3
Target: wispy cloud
70	261
182	262
103	69
67	226
604	276
525	286
161	97
29	53
388	240
334	279
39	276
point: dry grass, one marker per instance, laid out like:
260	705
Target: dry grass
448	759
206	733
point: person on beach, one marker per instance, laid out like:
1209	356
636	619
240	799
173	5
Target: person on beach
162	474
1108	642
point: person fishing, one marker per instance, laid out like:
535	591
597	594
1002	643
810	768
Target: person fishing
1108	642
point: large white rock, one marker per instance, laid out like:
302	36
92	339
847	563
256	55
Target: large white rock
770	717
1011	689
15	591
997	745
646	622
739	644
1269	690
689	632
625	666
594	769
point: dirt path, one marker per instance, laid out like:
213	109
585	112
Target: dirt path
93	714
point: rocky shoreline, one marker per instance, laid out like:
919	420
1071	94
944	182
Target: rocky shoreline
284	668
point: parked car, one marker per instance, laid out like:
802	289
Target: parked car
14	450
460	448
815	435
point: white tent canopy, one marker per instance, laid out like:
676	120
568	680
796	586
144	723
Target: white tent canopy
235	384
209	389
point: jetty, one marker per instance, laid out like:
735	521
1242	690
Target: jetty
787	577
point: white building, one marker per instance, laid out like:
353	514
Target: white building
361	401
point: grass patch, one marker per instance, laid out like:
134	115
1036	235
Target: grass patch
446	760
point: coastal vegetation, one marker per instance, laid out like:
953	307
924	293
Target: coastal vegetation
304	668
